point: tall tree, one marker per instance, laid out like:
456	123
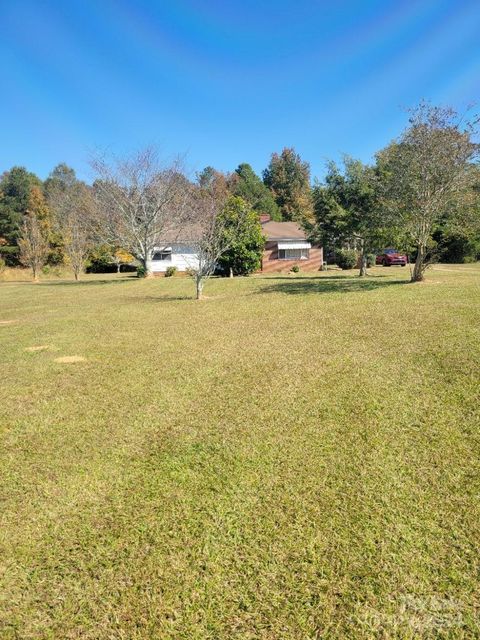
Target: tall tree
250	188
355	189
288	177
15	189
429	170
73	210
139	201
33	245
331	226
244	253
61	178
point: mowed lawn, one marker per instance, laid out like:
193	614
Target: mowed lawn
293	457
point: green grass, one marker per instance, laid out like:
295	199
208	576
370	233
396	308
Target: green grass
291	458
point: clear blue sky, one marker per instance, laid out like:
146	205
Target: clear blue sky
225	82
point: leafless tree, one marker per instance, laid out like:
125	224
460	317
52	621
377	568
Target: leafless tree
139	201
428	169
34	247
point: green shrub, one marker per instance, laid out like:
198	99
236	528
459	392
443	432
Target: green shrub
346	258
10	255
171	271
46	270
141	271
295	268
371	260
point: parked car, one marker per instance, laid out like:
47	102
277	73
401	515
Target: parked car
391	256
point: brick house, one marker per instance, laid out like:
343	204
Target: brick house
287	245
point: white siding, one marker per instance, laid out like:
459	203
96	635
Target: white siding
183	257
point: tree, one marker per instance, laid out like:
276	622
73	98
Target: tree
33	245
120	256
331	227
73	207
139	201
359	217
213	230
245	245
61	177
15	190
249	187
288	178
428	170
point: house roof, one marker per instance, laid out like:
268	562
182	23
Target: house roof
283	231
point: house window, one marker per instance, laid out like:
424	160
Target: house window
293	254
162	255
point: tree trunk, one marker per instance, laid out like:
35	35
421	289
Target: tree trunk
199	283
118	268
231	272
363	265
76	274
419	268
363	262
147	262
35	274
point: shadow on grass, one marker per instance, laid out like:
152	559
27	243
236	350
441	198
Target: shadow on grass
328	284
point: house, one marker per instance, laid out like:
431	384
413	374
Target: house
178	250
287	245
176	254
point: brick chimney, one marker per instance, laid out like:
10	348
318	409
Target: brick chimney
264	217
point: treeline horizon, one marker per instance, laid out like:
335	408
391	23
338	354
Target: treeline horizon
357	206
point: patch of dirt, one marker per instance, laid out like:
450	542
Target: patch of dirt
70	359
41	347
7	322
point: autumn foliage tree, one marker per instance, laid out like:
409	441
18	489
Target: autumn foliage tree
73	209
34	247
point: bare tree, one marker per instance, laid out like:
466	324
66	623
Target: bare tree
73	208
139	202
428	169
34	248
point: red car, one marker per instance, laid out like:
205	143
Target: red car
392	256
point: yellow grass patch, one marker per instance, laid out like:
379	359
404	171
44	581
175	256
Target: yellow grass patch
42	347
70	359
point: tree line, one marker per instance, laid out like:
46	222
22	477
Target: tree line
421	194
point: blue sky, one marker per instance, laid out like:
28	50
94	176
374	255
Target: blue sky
225	82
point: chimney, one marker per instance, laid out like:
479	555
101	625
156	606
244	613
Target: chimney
264	217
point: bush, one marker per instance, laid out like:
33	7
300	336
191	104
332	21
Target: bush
191	272
295	268
457	246
171	271
346	258
141	271
11	255
371	260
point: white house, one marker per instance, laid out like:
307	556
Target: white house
176	254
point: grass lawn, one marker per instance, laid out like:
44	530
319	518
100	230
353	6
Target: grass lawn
292	458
